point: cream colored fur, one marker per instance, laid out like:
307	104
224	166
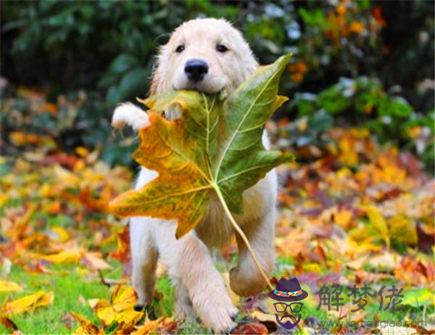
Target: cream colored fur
200	288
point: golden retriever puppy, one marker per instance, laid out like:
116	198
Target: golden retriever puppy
208	55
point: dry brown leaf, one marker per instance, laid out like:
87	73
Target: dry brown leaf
250	328
94	261
386	261
8	323
262	317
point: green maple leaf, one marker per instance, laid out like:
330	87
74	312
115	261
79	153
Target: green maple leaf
215	147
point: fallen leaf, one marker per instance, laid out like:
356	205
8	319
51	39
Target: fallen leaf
8	323
413	271
68	256
357	263
418	297
378	225
200	152
94	261
250	328
120	309
268	320
343	218
123	250
403	230
58	233
29	302
260	316
386	261
147	327
155	325
86	327
9	286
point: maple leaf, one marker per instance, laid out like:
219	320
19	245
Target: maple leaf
214	149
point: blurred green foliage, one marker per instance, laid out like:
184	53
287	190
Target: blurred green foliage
355	62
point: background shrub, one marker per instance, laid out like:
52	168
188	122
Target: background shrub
365	62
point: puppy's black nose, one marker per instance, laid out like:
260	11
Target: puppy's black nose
196	69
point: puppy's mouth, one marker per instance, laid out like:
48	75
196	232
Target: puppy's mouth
204	86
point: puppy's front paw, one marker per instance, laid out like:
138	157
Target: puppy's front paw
220	318
173	112
129	114
184	311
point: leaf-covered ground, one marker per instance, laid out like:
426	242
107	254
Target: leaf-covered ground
352	212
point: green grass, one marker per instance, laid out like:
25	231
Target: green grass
71	292
73	287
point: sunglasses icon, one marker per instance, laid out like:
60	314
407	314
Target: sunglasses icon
294	307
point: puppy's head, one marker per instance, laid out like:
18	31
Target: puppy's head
208	55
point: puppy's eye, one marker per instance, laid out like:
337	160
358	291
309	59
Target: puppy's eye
221	48
180	48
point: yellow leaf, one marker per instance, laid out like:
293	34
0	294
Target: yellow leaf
403	230
66	176
151	326
59	234
312	267
86	327
343	218
348	155
68	256
82	151
29	302
378	225
3	199
9	286
123	294
358	245
121	308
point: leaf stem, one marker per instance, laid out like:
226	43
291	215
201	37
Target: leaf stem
243	236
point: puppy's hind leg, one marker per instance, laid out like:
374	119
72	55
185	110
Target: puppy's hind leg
245	278
144	261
